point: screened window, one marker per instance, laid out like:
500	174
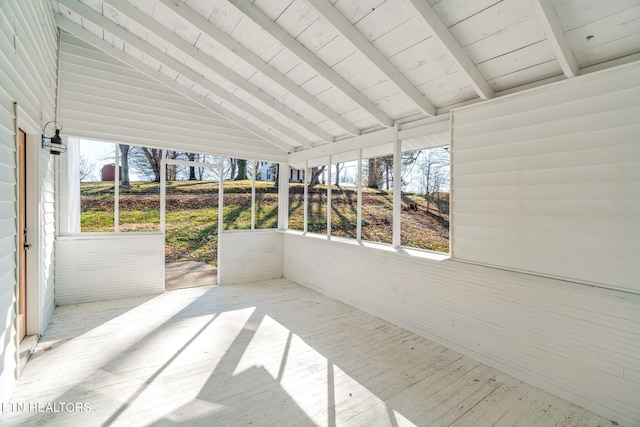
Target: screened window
344	199
266	203
425	199
296	199
97	165
319	177
250	195
139	194
377	199
358	187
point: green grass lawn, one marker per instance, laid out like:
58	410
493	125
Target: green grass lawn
192	214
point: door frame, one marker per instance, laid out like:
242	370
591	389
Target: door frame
34	291
163	192
23	196
35	295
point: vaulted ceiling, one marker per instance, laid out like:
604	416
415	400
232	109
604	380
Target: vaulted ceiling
297	74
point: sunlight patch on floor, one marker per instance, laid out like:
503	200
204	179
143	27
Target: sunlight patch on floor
172	389
270	338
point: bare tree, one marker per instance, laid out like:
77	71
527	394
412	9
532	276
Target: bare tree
339	167
380	172
146	162
408	163
316	173
433	164
86	168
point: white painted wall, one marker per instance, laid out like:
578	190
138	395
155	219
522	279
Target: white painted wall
249	256
549	181
95	267
41	259
28	77
576	341
104	99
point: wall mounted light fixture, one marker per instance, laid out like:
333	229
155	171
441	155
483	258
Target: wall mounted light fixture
53	143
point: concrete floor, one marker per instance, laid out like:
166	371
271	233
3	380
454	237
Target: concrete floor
189	274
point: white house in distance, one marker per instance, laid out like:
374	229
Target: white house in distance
268	172
539	101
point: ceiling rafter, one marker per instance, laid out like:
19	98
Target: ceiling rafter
223	71
207	27
456	52
110	26
555	34
295	47
351	33
72	28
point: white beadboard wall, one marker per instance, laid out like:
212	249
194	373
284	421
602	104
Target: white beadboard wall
95	267
44	209
578	342
8	243
104	99
549	181
249	256
28	54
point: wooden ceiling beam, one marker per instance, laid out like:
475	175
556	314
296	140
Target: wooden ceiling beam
360	42
215	66
204	25
306	56
556	36
449	43
110	26
67	25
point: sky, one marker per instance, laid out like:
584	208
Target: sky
98	154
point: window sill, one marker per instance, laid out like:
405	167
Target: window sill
108	235
411	252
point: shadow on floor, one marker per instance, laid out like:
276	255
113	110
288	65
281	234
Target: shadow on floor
189	274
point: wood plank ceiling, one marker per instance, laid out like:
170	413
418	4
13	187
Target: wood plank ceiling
314	72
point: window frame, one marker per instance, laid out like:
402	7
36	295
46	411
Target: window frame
65	183
397	200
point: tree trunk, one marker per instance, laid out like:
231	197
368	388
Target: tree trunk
172	169
277	182
315	175
233	168
154	156
242	170
124	167
373	178
387	177
192	169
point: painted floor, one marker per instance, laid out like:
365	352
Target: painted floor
266	354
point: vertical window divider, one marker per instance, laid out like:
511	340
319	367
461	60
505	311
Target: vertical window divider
283	196
116	191
220	202
359	198
220	211
253	195
305	202
397	187
163	192
329	166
